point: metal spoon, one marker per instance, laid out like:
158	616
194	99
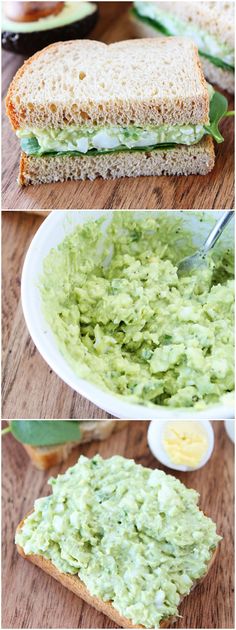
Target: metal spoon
187	265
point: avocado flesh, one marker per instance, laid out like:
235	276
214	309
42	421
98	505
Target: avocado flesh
75	21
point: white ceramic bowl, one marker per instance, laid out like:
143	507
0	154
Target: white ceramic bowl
50	234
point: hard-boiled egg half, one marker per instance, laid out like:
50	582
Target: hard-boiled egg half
181	444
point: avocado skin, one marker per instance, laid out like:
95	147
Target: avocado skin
29	43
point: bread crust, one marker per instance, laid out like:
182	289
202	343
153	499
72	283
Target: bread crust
182	160
10	108
74	584
194	107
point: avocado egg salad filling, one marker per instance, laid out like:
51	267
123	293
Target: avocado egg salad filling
87	140
125	321
133	535
219	53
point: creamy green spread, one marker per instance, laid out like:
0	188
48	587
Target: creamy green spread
133	535
208	44
84	138
94	140
124	320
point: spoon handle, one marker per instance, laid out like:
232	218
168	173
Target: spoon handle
217	230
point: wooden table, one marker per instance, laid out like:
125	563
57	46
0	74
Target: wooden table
30	388
215	190
31	599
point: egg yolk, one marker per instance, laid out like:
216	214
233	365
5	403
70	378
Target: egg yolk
185	442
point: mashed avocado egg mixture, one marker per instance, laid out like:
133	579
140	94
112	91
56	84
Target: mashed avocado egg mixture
134	536
125	321
84	139
90	140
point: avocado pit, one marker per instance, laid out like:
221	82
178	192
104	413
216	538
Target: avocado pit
31	11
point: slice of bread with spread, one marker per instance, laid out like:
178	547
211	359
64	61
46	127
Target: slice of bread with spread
74	584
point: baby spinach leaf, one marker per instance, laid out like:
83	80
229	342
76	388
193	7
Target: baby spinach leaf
94	152
30	146
154	23
45	432
218	109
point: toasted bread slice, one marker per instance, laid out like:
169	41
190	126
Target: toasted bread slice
44	457
74	584
135	82
197	159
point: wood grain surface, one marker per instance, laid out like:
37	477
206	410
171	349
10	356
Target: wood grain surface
215	190
32	599
30	389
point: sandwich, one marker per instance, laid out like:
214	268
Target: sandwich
49	442
209	24
84	109
129	540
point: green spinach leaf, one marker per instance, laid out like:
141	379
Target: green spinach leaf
154	23
45	432
217	61
30	146
218	110
31	150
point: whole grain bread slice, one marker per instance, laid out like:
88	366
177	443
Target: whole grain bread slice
44	457
149	81
74	584
196	159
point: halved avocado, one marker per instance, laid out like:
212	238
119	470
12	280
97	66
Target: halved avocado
74	21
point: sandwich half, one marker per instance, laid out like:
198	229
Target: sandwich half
209	24
129	540
85	109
